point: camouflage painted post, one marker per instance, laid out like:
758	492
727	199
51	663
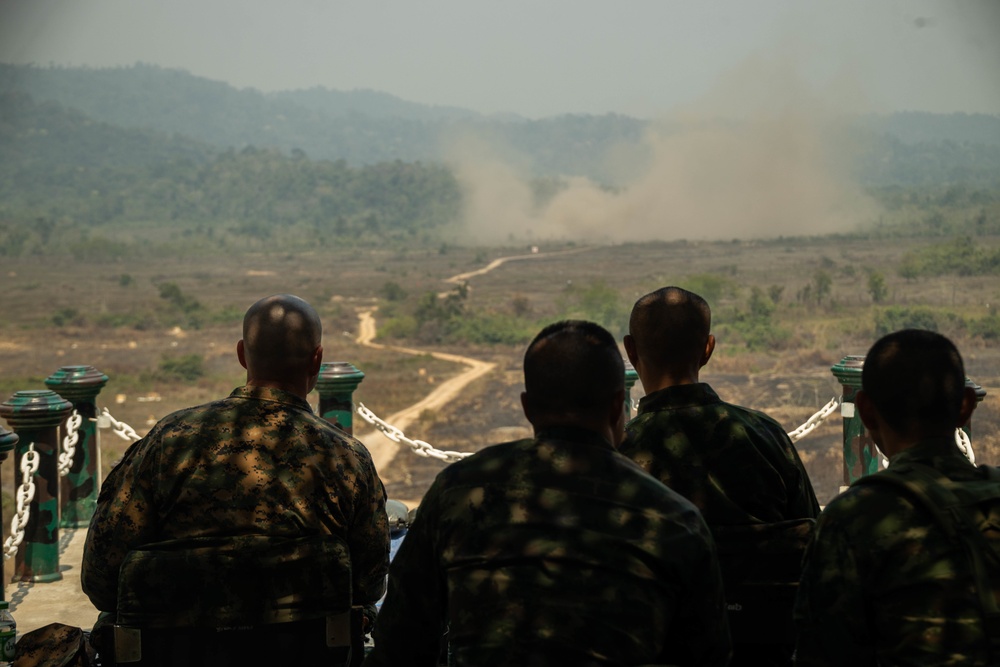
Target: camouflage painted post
35	415
336	384
80	385
7	442
860	454
980	395
630	379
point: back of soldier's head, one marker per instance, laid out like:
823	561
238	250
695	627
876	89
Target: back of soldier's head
572	367
280	336
916	381
670	327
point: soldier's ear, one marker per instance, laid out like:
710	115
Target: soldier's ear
709	349
630	350
241	353
866	411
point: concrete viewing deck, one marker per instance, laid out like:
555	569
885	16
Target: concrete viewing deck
34	605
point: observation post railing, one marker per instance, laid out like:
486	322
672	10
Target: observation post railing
57	480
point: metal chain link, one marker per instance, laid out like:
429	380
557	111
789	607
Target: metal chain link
25	494
420	448
121	429
965	445
69	443
814	421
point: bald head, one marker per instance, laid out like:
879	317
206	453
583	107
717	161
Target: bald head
572	370
281	338
670	330
916	381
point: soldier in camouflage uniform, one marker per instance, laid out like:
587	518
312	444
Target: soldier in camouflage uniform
250	474
556	550
883	582
736	465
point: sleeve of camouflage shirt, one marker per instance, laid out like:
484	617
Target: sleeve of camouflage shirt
368	540
413	616
802	502
124	517
830	610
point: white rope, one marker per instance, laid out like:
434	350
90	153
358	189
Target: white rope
814	421
69	443
121	429
419	447
25	494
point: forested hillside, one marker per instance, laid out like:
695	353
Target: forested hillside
147	153
368	127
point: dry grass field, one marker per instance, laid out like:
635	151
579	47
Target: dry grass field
110	315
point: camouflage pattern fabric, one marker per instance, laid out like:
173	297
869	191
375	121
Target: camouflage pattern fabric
54	645
259	463
736	465
882	583
740	469
553	551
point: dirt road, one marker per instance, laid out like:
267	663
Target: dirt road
383	449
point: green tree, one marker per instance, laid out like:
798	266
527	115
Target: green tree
877	288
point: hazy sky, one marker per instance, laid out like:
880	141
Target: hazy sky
537	58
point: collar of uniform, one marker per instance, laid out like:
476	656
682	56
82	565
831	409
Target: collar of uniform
271	394
573	434
934	451
679	396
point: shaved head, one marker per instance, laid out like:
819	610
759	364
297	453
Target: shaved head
572	368
670	328
281	334
916	381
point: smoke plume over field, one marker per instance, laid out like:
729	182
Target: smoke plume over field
758	156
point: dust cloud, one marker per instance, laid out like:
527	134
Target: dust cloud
758	156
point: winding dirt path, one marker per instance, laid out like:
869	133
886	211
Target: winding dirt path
382	449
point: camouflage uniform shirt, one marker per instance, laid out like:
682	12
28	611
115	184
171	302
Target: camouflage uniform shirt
549	551
882	582
736	465
258	463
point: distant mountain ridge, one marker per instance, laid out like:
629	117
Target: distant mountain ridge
365	127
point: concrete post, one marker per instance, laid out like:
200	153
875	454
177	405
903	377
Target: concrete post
980	395
35	415
7	442
80	385
336	384
630	379
860	454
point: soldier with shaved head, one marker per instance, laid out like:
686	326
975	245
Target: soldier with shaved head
259	475
905	564
736	465
556	550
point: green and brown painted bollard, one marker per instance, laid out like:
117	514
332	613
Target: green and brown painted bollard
980	395
860	455
336	384
78	490
7	442
35	416
630	379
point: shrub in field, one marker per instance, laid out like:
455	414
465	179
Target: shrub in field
895	318
187	367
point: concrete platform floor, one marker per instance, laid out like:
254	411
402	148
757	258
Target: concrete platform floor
34	605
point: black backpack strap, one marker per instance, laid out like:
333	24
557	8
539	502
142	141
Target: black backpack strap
952	504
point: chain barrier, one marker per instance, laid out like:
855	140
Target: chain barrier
121	429
810	424
69	443
419	447
965	445
25	494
